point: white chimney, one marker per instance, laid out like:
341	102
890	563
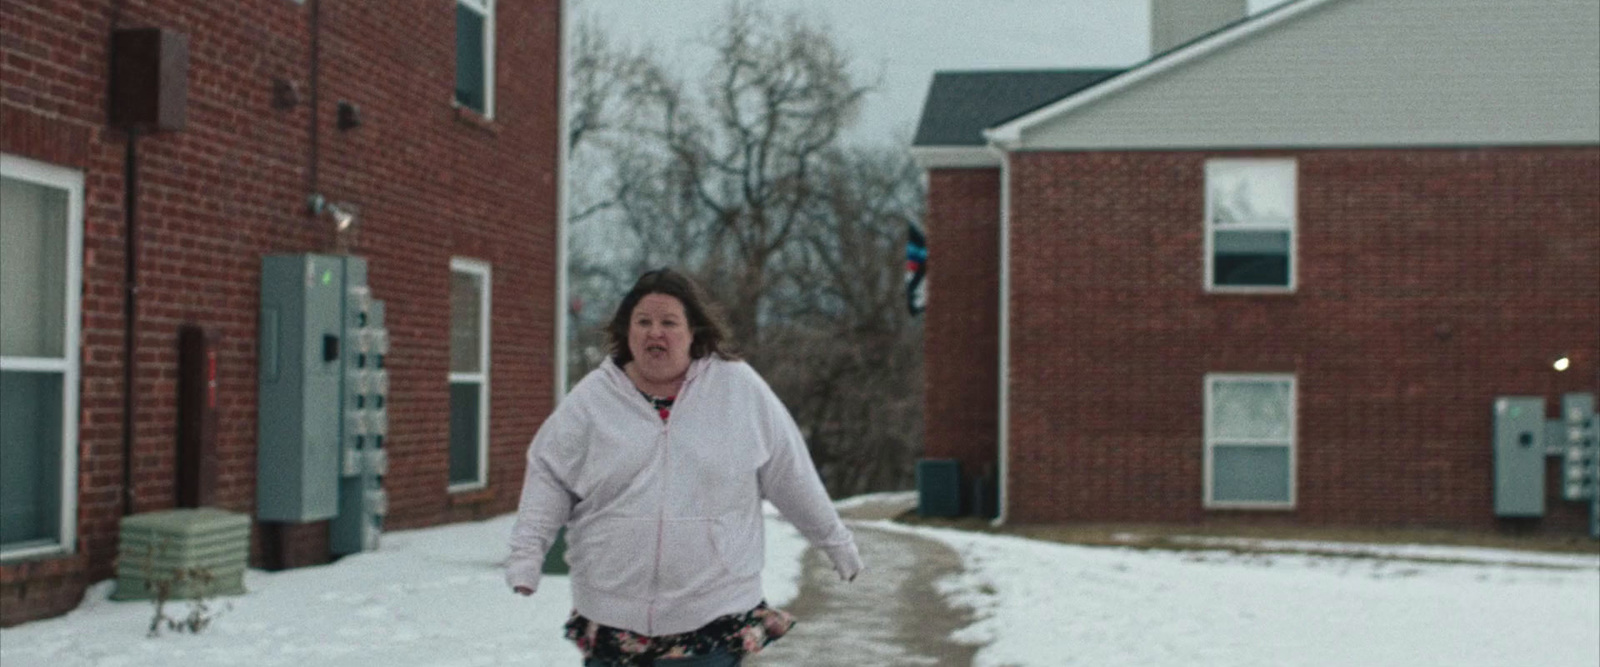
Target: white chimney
1175	22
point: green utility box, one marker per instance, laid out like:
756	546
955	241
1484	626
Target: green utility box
986	494
939	487
555	560
199	552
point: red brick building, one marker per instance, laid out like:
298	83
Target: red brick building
436	124
1278	272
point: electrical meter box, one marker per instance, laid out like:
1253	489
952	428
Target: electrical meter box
1575	437
300	370
1519	456
365	421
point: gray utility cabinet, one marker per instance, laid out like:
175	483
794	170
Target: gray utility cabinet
297	457
1519	456
323	398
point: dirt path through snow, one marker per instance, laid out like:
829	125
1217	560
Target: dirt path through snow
891	616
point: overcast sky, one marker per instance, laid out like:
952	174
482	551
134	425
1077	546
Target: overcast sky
901	43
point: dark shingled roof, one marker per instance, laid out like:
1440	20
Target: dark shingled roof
961	105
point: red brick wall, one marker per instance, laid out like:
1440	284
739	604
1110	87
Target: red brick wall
1430	281
431	183
961	324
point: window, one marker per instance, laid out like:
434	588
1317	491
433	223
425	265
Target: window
41	245
469	374
1250	224
475	55
1249	441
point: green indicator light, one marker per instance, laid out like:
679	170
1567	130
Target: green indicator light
327	277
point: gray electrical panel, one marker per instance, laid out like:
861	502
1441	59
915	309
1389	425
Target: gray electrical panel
1519	456
365	420
324	394
297	457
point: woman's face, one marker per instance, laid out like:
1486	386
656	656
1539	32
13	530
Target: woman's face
659	337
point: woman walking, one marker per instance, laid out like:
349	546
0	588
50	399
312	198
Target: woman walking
657	463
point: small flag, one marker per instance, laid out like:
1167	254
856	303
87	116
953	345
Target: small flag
916	269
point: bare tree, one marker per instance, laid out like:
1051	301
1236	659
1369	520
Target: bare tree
740	158
852	371
604	80
743	182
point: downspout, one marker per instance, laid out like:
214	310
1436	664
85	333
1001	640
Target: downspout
562	298
314	80
130	309
1003	435
130	268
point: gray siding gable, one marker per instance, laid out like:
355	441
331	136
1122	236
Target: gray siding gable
1357	73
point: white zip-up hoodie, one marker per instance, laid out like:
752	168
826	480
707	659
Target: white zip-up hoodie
664	523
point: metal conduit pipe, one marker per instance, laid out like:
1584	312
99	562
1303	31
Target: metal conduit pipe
130	309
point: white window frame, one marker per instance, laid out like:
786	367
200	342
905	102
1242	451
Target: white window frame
1218	164
71	180
486	9
484	273
1211	440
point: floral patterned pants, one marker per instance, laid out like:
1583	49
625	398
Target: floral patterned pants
719	659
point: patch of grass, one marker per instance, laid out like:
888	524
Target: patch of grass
1168	536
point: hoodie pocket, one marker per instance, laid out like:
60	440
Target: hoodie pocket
688	558
614	555
739	541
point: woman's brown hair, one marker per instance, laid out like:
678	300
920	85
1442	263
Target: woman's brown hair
705	321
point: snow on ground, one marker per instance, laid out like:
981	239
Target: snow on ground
436	597
897	498
1051	605
432	597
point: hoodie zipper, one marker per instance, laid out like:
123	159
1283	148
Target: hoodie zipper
661	529
661	505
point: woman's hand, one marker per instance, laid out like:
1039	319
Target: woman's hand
523	590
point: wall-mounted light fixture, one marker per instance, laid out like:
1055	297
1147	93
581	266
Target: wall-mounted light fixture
343	215
1562	364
